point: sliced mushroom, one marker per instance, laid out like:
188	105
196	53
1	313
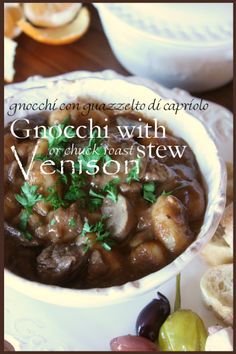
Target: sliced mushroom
58	264
158	172
170	224
121	219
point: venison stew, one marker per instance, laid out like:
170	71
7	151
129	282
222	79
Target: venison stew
98	200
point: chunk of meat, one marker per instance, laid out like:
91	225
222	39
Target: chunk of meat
96	265
158	172
104	265
148	256
63	225
131	189
125	152
121	219
170	224
133	126
18	237
13	173
191	195
58	264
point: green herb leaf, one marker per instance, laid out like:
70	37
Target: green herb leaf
63	178
111	189
24	218
28	235
56	137
54	199
75	191
86	229
29	196
149	192
92	193
134	172
102	235
92	153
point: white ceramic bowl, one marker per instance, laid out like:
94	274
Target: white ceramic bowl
84	302
179	45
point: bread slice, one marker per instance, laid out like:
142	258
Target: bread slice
220	249
227	223
217	291
9	57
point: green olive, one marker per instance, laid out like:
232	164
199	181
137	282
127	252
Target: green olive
182	331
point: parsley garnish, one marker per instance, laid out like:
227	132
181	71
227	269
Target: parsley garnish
75	190
111	189
95	194
111	192
54	199
28	198
93	152
149	192
63	178
96	201
134	172
55	135
102	235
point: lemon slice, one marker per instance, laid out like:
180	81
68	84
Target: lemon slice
50	14
9	56
60	35
12	14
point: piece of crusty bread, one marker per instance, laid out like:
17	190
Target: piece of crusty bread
220	249
217	290
229	190
217	252
227	223
9	57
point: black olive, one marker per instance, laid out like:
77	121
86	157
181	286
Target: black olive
152	317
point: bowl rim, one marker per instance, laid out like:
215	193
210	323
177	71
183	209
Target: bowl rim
177	43
97	297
